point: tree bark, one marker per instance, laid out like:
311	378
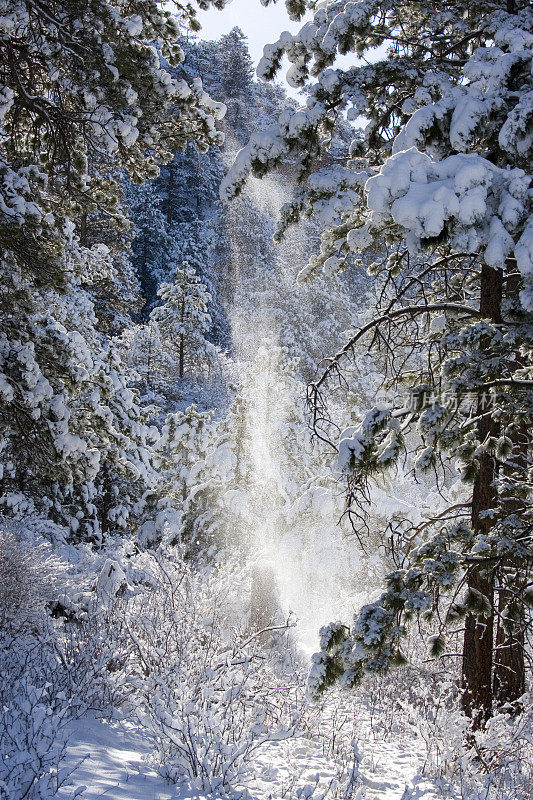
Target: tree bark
149	363
509	668
83	230
478	645
509	679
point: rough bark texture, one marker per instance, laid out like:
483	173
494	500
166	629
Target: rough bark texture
479	638
509	667
478	643
509	679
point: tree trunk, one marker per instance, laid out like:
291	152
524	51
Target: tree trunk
509	668
182	356
149	363
106	501
265	610
83	230
144	278
478	643
509	679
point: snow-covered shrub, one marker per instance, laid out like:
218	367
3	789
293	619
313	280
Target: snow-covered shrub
316	790
96	647
29	576
348	784
205	687
421	704
33	712
430	708
493	762
96	656
499	764
31	743
33	705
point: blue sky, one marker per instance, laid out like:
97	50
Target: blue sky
261	25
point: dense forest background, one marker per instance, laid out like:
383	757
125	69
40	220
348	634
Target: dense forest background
265	364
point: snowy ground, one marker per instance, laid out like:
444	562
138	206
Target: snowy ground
116	766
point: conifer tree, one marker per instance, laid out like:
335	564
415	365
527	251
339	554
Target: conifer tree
115	290
84	95
196	463
441	178
179	216
183	320
236	70
151	240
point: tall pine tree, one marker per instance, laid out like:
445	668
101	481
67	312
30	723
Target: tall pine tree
85	94
184	320
441	178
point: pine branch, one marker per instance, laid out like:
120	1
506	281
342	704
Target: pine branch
389	316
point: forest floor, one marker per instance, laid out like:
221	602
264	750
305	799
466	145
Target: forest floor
115	765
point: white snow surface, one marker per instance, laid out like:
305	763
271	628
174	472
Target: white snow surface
111	759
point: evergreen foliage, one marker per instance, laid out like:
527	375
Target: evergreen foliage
86	94
183	320
442	178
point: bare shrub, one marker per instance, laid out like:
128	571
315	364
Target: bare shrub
200	682
29	577
33	714
209	695
33	706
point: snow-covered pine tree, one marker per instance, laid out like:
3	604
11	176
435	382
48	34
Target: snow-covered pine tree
183	320
114	292
179	215
195	465
441	177
246	253
188	187
199	244
79	83
67	410
236	71
151	239
188	183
